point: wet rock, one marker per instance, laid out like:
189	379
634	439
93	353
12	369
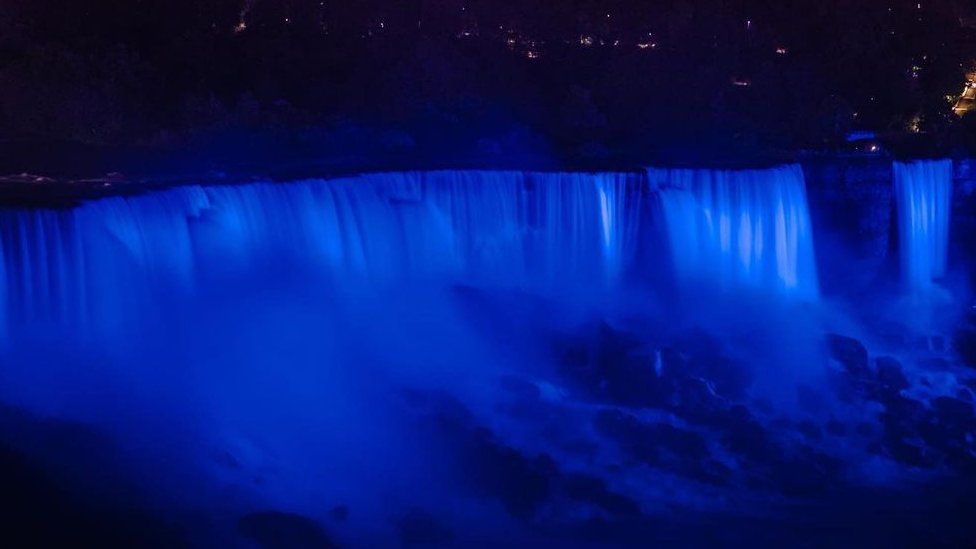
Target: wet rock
745	436
418	527
964	341
690	377
836	428
520	482
653	443
705	358
608	365
809	430
891	378
909	452
865	429
901	438
804	472
593	490
339	513
489	467
662	445
850	353
519	387
279	530
810	399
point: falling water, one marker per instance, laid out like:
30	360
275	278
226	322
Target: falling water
923	194
110	256
737	229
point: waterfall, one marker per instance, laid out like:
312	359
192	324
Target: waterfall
739	229
123	254
923	195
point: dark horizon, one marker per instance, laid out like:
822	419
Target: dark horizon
579	82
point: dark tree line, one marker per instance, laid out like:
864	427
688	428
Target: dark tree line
458	72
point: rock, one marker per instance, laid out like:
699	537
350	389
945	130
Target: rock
809	430
490	468
652	443
662	445
419	527
891	378
593	490
740	432
618	367
850	353
836	428
964	341
519	387
279	530
339	513
804	472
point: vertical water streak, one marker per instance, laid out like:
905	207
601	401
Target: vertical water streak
923	196
114	259
739	229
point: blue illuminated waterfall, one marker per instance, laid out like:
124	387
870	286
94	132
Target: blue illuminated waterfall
126	253
735	229
923	194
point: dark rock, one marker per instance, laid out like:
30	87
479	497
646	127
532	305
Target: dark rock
60	489
805	472
593	490
419	527
809	430
519	387
520	482
909	453
850	353
865	429
836	428
965	343
809	398
891	379
608	365
745	436
953	409
692	377
704	358
339	513
653	443
489	467
279	530
663	446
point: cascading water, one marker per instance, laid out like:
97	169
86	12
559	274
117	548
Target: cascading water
734	229
923	195
110	255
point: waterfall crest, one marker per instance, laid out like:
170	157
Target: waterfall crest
734	229
540	229
923	196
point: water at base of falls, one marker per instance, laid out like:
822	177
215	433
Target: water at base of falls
466	358
923	195
735	229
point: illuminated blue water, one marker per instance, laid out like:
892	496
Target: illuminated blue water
110	257
739	229
923	194
445	341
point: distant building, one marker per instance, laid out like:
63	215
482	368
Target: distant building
967	100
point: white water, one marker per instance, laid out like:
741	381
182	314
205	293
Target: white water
739	229
923	194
